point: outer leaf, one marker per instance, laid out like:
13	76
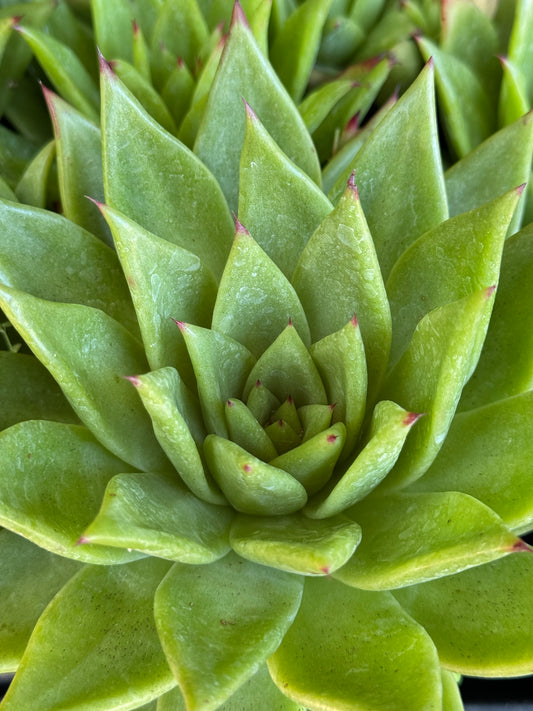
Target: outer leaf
158	182
28	392
350	649
402	158
96	646
431	374
278	203
513	98
88	352
255	300
178	426
506	364
219	623
74	266
158	516
487	454
294	543
520	43
29	579
421	279
250	485
166	282
480	619
244	72
411	538
390	426
54	490
79	164
65	71
338	275
295	47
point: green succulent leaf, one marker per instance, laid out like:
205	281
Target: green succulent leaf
33	184
399	173
287	369
506	365
499	164
178	426
79	164
337	276
339	637
28	392
513	97
151	177
53	492
219	623
520	44
410	538
246	431
389	427
221	366
88	353
487	454
451	694
166	282
422	280
262	403
65	71
318	103
29	579
480	619
113	28
181	27
278	203
244	72
431	374
255	300
295	543
250	485
177	91
296	46
74	266
158	516
108	608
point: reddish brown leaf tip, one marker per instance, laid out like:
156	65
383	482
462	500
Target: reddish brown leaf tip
240	229
135	26
230	403
333	406
238	17
258	383
99	205
180	324
353	320
412	417
134	380
82	540
105	66
325	569
352	186
290	400
331	438
520	189
247	468
489	291
521	547
290	322
250	113
281	423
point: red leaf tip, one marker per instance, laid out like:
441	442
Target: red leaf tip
134	380
180	324
489	291
230	403
238	17
290	322
331	438
521	547
257	383
412	417
325	570
247	468
520	189
82	540
352	186
250	113
105	66
354	320
135	26
240	229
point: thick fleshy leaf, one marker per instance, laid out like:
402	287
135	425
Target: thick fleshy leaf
488	454
520	44
88	353
411	538
499	164
79	165
157	182
245	430
29	579
312	462
221	366
338	276
261	402
244	72
513	97
255	300
295	543
178	426
278	203
259	693
296	46
52	492
181	27
65	71
32	187
287	369
28	392
505	367
250	485
74	266
158	516
431	374
389	428
113	28
177	92
319	102
218	623
480	619
351	649
166	282
96	644
421	279
399	173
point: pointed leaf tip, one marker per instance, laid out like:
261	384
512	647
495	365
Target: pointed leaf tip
520	189
180	324
238	16
521	547
331	438
412	417
230	403
353	320
250	113
258	383
489	291
105	66
352	186
247	468
135	26
82	540
240	229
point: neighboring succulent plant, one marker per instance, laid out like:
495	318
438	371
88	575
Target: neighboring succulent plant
230	447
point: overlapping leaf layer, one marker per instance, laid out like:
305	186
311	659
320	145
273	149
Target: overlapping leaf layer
280	461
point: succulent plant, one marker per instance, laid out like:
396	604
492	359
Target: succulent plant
276	462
